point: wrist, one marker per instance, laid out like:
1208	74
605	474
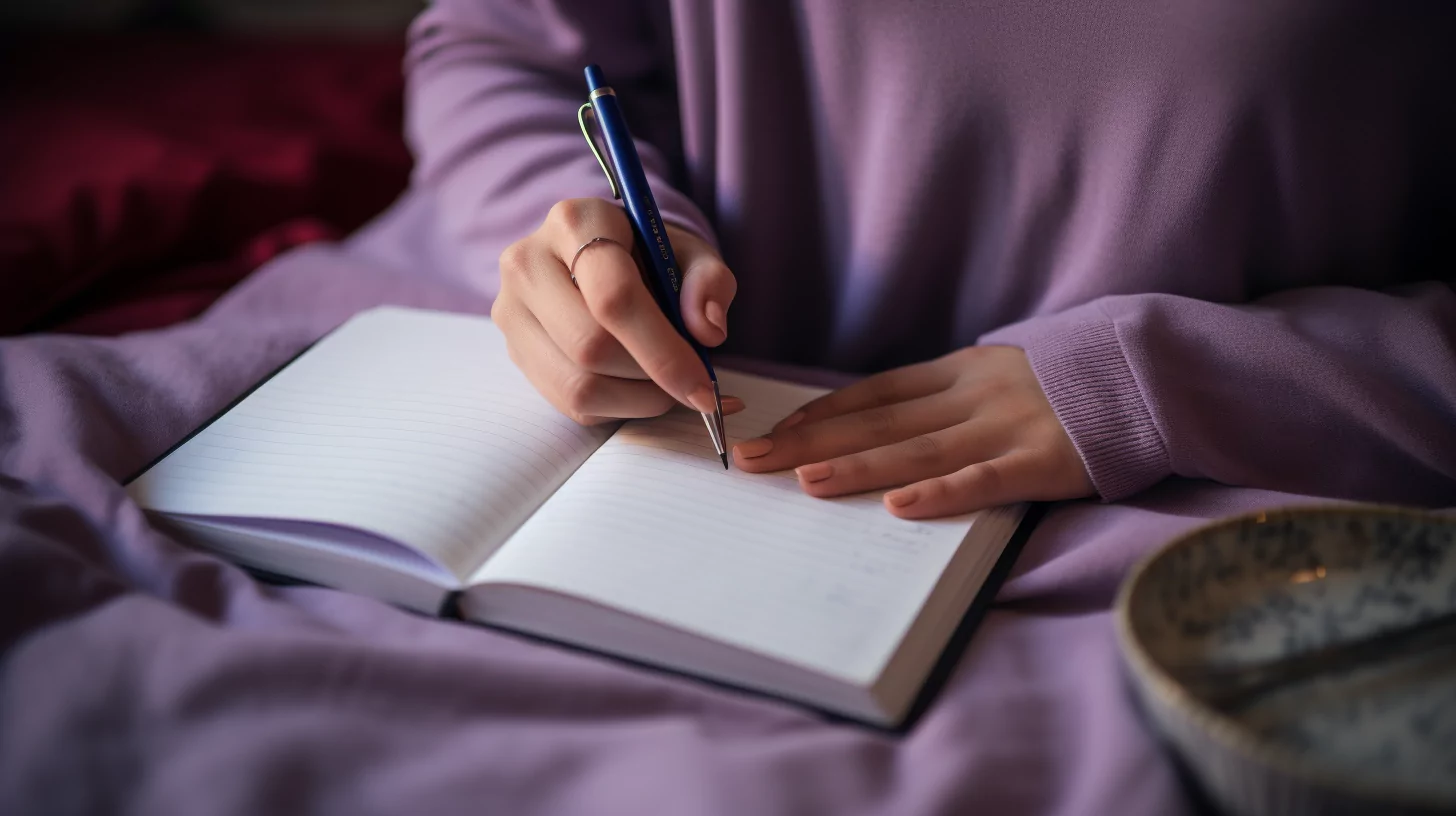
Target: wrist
1086	377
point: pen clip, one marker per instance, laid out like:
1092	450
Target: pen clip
592	143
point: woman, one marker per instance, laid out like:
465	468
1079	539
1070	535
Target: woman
1086	246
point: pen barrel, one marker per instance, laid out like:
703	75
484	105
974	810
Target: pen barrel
648	227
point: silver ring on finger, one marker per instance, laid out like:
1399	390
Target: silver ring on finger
571	270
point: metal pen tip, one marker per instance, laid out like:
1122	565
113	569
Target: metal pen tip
714	421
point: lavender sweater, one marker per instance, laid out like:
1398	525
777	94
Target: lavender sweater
1221	232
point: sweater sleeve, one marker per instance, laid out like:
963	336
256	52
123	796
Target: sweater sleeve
491	100
1330	391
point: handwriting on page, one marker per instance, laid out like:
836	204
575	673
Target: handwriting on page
416	428
652	524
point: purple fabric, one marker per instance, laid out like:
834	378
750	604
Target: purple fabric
887	184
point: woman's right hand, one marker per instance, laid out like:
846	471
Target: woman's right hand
602	349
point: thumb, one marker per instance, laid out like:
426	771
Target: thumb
708	287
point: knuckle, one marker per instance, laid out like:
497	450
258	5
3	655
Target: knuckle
615	301
994	388
1046	436
925	450
988	478
511	317
515	259
878	422
580	393
573	214
976	395
962	365
500	313
970	358
593	348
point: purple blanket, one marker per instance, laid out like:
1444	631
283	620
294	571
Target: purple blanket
138	676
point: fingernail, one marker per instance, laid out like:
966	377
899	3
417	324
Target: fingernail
702	399
901	498
717	315
817	472
790	421
753	448
732	405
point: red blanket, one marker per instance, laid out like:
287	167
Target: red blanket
146	174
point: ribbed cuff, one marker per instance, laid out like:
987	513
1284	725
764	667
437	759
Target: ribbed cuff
1092	389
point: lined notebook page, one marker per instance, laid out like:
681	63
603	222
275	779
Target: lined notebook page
411	425
653	525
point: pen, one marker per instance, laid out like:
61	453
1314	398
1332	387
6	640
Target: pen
629	183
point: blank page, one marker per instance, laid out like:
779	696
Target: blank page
411	425
653	525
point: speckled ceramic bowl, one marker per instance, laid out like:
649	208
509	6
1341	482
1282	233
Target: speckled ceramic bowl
1380	738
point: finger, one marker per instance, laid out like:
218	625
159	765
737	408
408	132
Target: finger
562	313
897	385
616	296
620	302
542	282
585	396
708	287
838	436
915	459
1007	479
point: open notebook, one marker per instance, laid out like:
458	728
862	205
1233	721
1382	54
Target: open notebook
404	456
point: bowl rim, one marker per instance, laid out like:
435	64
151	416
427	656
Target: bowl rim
1227	732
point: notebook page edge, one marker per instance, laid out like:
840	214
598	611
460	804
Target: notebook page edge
603	629
930	632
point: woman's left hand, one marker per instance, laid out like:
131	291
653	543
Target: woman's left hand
969	430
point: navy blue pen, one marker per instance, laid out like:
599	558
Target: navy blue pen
629	183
